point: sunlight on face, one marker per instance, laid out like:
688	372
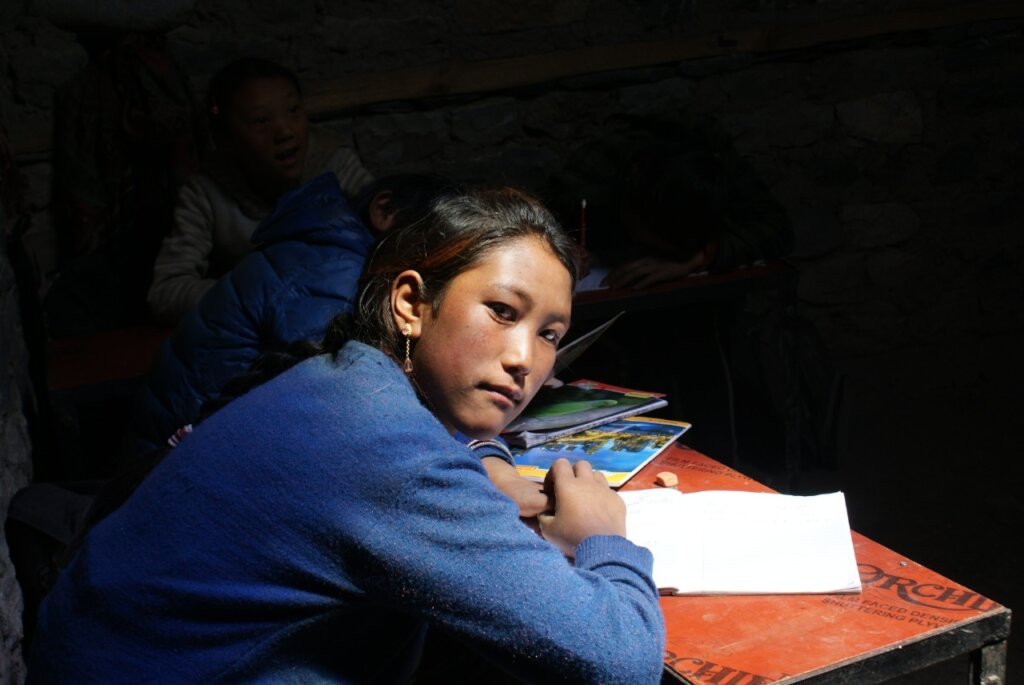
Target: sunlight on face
491	344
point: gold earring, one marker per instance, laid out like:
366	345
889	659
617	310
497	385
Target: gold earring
407	332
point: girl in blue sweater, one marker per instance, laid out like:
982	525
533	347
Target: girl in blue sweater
313	528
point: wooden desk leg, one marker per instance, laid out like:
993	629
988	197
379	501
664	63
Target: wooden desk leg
988	665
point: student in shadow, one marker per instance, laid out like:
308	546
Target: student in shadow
308	256
264	147
667	198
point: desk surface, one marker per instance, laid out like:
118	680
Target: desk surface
906	618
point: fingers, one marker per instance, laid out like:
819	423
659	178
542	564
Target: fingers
582	469
560	468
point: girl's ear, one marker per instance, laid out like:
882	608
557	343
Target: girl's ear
408	301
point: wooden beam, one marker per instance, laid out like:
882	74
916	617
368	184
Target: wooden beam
460	78
327	98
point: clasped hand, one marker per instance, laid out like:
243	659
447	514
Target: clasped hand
573	503
584	505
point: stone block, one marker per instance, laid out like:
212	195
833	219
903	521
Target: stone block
669	95
878	224
299	13
984	92
37	184
498	17
40	244
986	223
41	58
616	78
836	279
884	117
486	122
857	329
787	122
577	109
889	268
1001	292
855	74
816	231
877	325
761	83
388	140
115	15
952	310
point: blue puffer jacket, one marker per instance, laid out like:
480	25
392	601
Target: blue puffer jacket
306	270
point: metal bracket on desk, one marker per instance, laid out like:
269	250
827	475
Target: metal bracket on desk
988	664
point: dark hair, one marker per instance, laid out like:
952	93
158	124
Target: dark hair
458	230
232	77
410	196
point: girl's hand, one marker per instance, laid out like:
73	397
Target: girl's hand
584	506
528	495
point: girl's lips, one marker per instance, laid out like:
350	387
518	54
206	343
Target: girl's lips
510	396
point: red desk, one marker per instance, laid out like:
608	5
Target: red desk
91	381
111	356
907	617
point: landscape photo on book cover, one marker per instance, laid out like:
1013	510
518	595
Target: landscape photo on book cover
574	404
619	449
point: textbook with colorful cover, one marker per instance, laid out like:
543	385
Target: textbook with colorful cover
731	542
618	449
556	412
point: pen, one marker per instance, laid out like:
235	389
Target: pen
583	224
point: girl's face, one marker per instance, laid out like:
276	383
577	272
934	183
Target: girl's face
482	356
268	133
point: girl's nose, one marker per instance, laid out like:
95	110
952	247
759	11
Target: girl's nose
518	360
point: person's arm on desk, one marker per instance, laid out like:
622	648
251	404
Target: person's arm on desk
528	495
648	271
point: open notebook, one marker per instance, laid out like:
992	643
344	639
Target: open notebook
735	542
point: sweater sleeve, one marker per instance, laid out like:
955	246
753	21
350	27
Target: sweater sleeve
179	272
352	176
331	152
448	546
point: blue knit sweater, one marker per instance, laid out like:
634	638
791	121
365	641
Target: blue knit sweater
308	532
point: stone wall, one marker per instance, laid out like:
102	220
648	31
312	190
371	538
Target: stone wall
15	454
15	467
897	154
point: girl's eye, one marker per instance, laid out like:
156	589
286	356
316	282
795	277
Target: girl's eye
259	121
553	337
503	311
